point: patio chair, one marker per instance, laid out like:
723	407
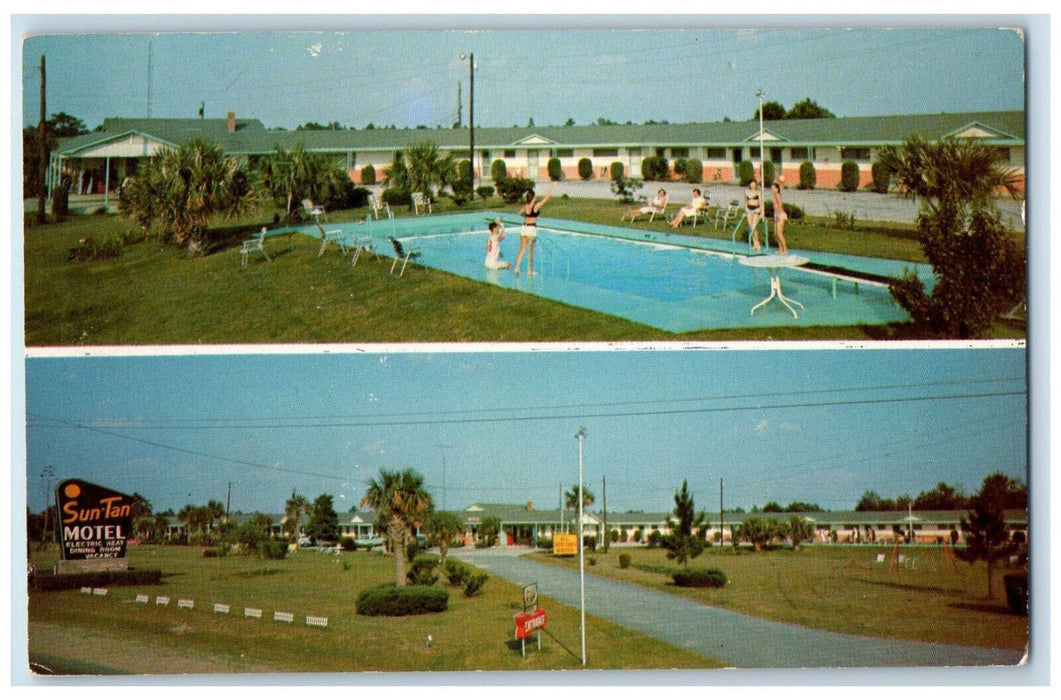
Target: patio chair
333	236
651	210
360	245
378	205
421	202
722	216
255	243
313	210
702	213
402	253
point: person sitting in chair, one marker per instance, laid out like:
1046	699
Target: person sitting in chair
699	203
656	206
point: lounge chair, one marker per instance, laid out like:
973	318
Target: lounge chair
360	245
702	212
378	205
650	209
313	210
722	216
421	202
255	243
402	253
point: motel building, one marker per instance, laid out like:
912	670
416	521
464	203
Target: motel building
524	525
97	163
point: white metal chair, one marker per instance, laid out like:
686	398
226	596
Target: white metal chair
722	216
255	243
360	245
313	210
403	254
421	202
333	236
378	205
652	210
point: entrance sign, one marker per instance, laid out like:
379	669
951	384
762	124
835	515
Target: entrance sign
565	544
529	622
96	522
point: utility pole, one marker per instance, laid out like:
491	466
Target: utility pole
604	503
228	501
581	436
460	107
42	154
721	521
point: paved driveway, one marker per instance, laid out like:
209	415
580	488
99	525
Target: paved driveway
739	640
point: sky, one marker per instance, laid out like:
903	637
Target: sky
407	71
498	425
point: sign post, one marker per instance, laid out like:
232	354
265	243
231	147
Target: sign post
531	620
95	523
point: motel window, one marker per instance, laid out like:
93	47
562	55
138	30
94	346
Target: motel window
605	152
1003	153
754	153
855	153
564	153
510	153
716	153
802	153
633	152
679	153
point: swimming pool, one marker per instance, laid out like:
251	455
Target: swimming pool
673	282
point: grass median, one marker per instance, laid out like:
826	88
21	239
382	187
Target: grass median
73	632
930	598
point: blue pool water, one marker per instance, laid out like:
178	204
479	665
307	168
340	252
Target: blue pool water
669	281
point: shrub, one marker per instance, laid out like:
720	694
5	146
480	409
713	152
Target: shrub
396	196
89	248
624	188
679	166
849	176
794	212
617	170
746	172
699	578
456	572
655	168
624	561
768	174
214	552
1016	593
808	176
273	549
351	197
395	601
473	583
592	561
545	543
484	191
95	579
654	539
61	199
498	171
555	171
368	175
422	570
464	172
882	177
511	189
694	170
347	544
585	168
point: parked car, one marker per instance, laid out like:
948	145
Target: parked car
369	542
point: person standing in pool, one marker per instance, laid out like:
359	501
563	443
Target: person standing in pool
493	247
753	204
780	217
528	232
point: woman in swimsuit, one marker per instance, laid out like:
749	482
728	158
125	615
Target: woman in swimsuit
752	210
780	217
529	230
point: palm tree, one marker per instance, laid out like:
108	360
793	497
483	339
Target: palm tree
441	528
179	191
979	266
422	168
289	176
400	499
294	509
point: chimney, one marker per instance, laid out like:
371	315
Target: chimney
530	505
232	122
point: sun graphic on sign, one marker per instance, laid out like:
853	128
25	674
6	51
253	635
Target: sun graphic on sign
72	491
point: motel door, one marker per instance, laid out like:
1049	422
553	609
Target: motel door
532	165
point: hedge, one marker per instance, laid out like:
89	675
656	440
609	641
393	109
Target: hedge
699	578
498	171
95	579
808	176
394	601
694	170
368	175
556	172
585	168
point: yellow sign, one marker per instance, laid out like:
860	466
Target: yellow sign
565	544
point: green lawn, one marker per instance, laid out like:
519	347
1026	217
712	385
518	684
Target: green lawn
841	588
113	634
155	294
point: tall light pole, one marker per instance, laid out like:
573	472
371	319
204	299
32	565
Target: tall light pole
581	436
762	173
471	119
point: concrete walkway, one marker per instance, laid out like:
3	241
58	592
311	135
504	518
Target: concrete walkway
739	640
